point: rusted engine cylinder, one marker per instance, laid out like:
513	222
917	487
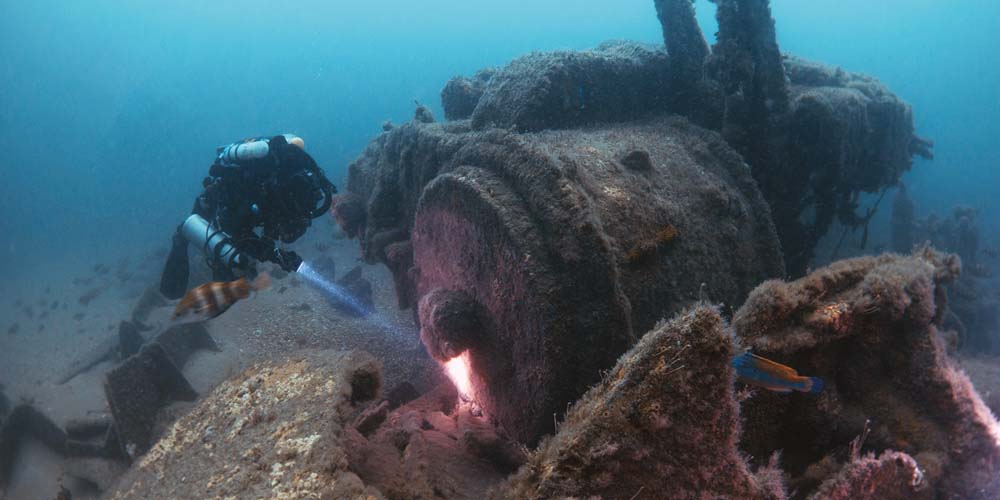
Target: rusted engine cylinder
560	248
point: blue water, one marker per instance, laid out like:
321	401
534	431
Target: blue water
110	111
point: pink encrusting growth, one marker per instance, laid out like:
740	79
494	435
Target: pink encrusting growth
870	326
459	371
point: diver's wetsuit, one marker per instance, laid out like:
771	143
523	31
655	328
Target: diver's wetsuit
280	193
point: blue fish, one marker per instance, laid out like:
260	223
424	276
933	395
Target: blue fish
762	372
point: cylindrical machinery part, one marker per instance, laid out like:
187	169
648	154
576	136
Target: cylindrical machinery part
563	247
216	244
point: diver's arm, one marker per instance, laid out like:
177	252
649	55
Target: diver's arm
264	250
207	203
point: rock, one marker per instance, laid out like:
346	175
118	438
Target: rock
371	418
275	431
869	327
892	476
303	307
431	449
663	420
401	395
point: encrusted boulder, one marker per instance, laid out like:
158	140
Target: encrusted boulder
433	447
869	327
273	432
891	476
663	423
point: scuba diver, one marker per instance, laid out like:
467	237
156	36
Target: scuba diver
271	183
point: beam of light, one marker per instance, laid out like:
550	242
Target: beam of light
333	290
459	371
345	297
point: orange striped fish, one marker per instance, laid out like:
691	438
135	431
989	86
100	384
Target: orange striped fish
762	372
210	300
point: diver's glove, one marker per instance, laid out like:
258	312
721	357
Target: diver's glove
288	260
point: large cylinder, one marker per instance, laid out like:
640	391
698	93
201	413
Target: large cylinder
561	247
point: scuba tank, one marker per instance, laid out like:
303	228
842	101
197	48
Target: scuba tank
216	244
253	149
258	157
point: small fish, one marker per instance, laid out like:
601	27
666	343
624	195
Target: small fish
992	252
212	299
762	372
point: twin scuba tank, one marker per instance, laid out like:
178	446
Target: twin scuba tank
252	149
216	244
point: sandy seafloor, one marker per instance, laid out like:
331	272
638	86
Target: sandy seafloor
271	324
290	316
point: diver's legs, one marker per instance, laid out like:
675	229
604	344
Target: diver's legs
174	281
